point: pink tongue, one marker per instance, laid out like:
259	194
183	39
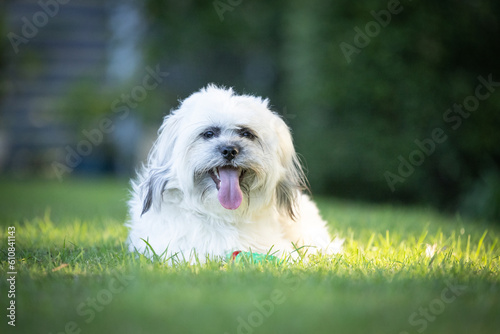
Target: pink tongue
230	195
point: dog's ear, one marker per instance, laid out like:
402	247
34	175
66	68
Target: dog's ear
163	148
156	173
293	181
289	189
153	187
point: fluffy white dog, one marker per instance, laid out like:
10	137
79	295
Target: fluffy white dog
223	176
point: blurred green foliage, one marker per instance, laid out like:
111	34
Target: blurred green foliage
3	46
354	116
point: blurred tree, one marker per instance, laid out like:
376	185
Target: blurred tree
357	113
198	44
3	47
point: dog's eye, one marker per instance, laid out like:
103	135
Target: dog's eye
247	134
208	134
211	133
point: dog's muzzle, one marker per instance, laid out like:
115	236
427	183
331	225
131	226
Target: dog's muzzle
229	152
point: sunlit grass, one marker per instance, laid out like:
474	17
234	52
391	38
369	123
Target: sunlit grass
395	261
43	243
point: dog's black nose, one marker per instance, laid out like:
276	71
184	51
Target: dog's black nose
229	152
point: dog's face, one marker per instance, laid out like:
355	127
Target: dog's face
220	152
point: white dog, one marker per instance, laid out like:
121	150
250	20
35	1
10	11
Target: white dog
223	176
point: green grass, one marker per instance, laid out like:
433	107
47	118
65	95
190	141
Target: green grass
75	276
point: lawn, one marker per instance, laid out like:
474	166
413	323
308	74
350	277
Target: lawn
403	270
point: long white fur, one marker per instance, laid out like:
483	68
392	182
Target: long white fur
174	205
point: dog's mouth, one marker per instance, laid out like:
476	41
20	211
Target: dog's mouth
227	180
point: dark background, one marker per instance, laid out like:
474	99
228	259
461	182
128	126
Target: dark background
364	85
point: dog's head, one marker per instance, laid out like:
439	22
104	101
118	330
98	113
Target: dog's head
221	151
